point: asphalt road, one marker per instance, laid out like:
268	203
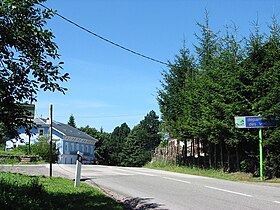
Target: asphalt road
154	189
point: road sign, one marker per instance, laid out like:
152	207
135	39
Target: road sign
254	122
28	110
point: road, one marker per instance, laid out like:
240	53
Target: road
154	189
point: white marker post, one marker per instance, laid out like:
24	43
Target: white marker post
78	169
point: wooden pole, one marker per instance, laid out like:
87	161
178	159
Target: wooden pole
50	131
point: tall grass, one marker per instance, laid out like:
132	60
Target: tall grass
220	174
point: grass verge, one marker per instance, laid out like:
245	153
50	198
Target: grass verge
19	192
219	174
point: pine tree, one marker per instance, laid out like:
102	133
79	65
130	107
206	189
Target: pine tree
71	121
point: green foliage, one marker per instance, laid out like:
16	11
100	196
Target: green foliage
127	147
28	60
141	141
219	174
40	148
163	143
116	144
28	192
228	77
71	121
101	147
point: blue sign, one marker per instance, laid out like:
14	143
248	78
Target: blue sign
254	122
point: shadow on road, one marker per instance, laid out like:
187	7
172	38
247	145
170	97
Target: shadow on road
141	204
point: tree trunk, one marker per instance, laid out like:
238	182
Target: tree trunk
204	148
228	158
237	158
215	156
210	155
198	151
192	150
185	150
222	155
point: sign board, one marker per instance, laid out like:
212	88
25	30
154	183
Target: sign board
29	110
254	122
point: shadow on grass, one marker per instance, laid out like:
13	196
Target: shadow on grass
81	201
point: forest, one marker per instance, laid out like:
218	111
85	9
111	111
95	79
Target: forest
125	146
228	75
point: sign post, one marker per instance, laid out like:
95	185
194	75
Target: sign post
78	169
261	154
256	122
50	132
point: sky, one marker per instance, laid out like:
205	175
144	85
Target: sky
110	86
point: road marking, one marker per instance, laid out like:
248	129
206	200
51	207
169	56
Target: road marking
276	202
135	172
223	190
177	180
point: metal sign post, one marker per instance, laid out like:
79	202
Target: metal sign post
261	154
256	122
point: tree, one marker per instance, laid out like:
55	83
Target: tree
28	60
71	121
141	141
171	97
116	144
101	147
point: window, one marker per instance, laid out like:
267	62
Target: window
86	148
91	150
82	149
66	147
72	147
77	147
41	131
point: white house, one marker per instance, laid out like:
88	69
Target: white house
68	141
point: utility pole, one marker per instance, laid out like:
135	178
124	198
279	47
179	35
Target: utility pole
50	152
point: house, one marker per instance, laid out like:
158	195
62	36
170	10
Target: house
68	140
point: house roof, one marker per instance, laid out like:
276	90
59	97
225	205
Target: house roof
65	129
70	131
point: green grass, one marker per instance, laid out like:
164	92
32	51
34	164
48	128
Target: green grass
19	191
219	174
10	161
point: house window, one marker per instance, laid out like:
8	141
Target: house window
41	131
77	147
86	148
82	149
72	146
66	147
91	150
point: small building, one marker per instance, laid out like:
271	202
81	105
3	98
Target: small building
68	140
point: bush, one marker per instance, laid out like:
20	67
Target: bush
272	165
40	148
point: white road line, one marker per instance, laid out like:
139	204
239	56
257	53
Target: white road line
276	202
177	180
135	172
223	190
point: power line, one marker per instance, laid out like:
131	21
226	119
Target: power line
105	39
105	116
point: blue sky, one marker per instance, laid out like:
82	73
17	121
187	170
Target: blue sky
108	85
